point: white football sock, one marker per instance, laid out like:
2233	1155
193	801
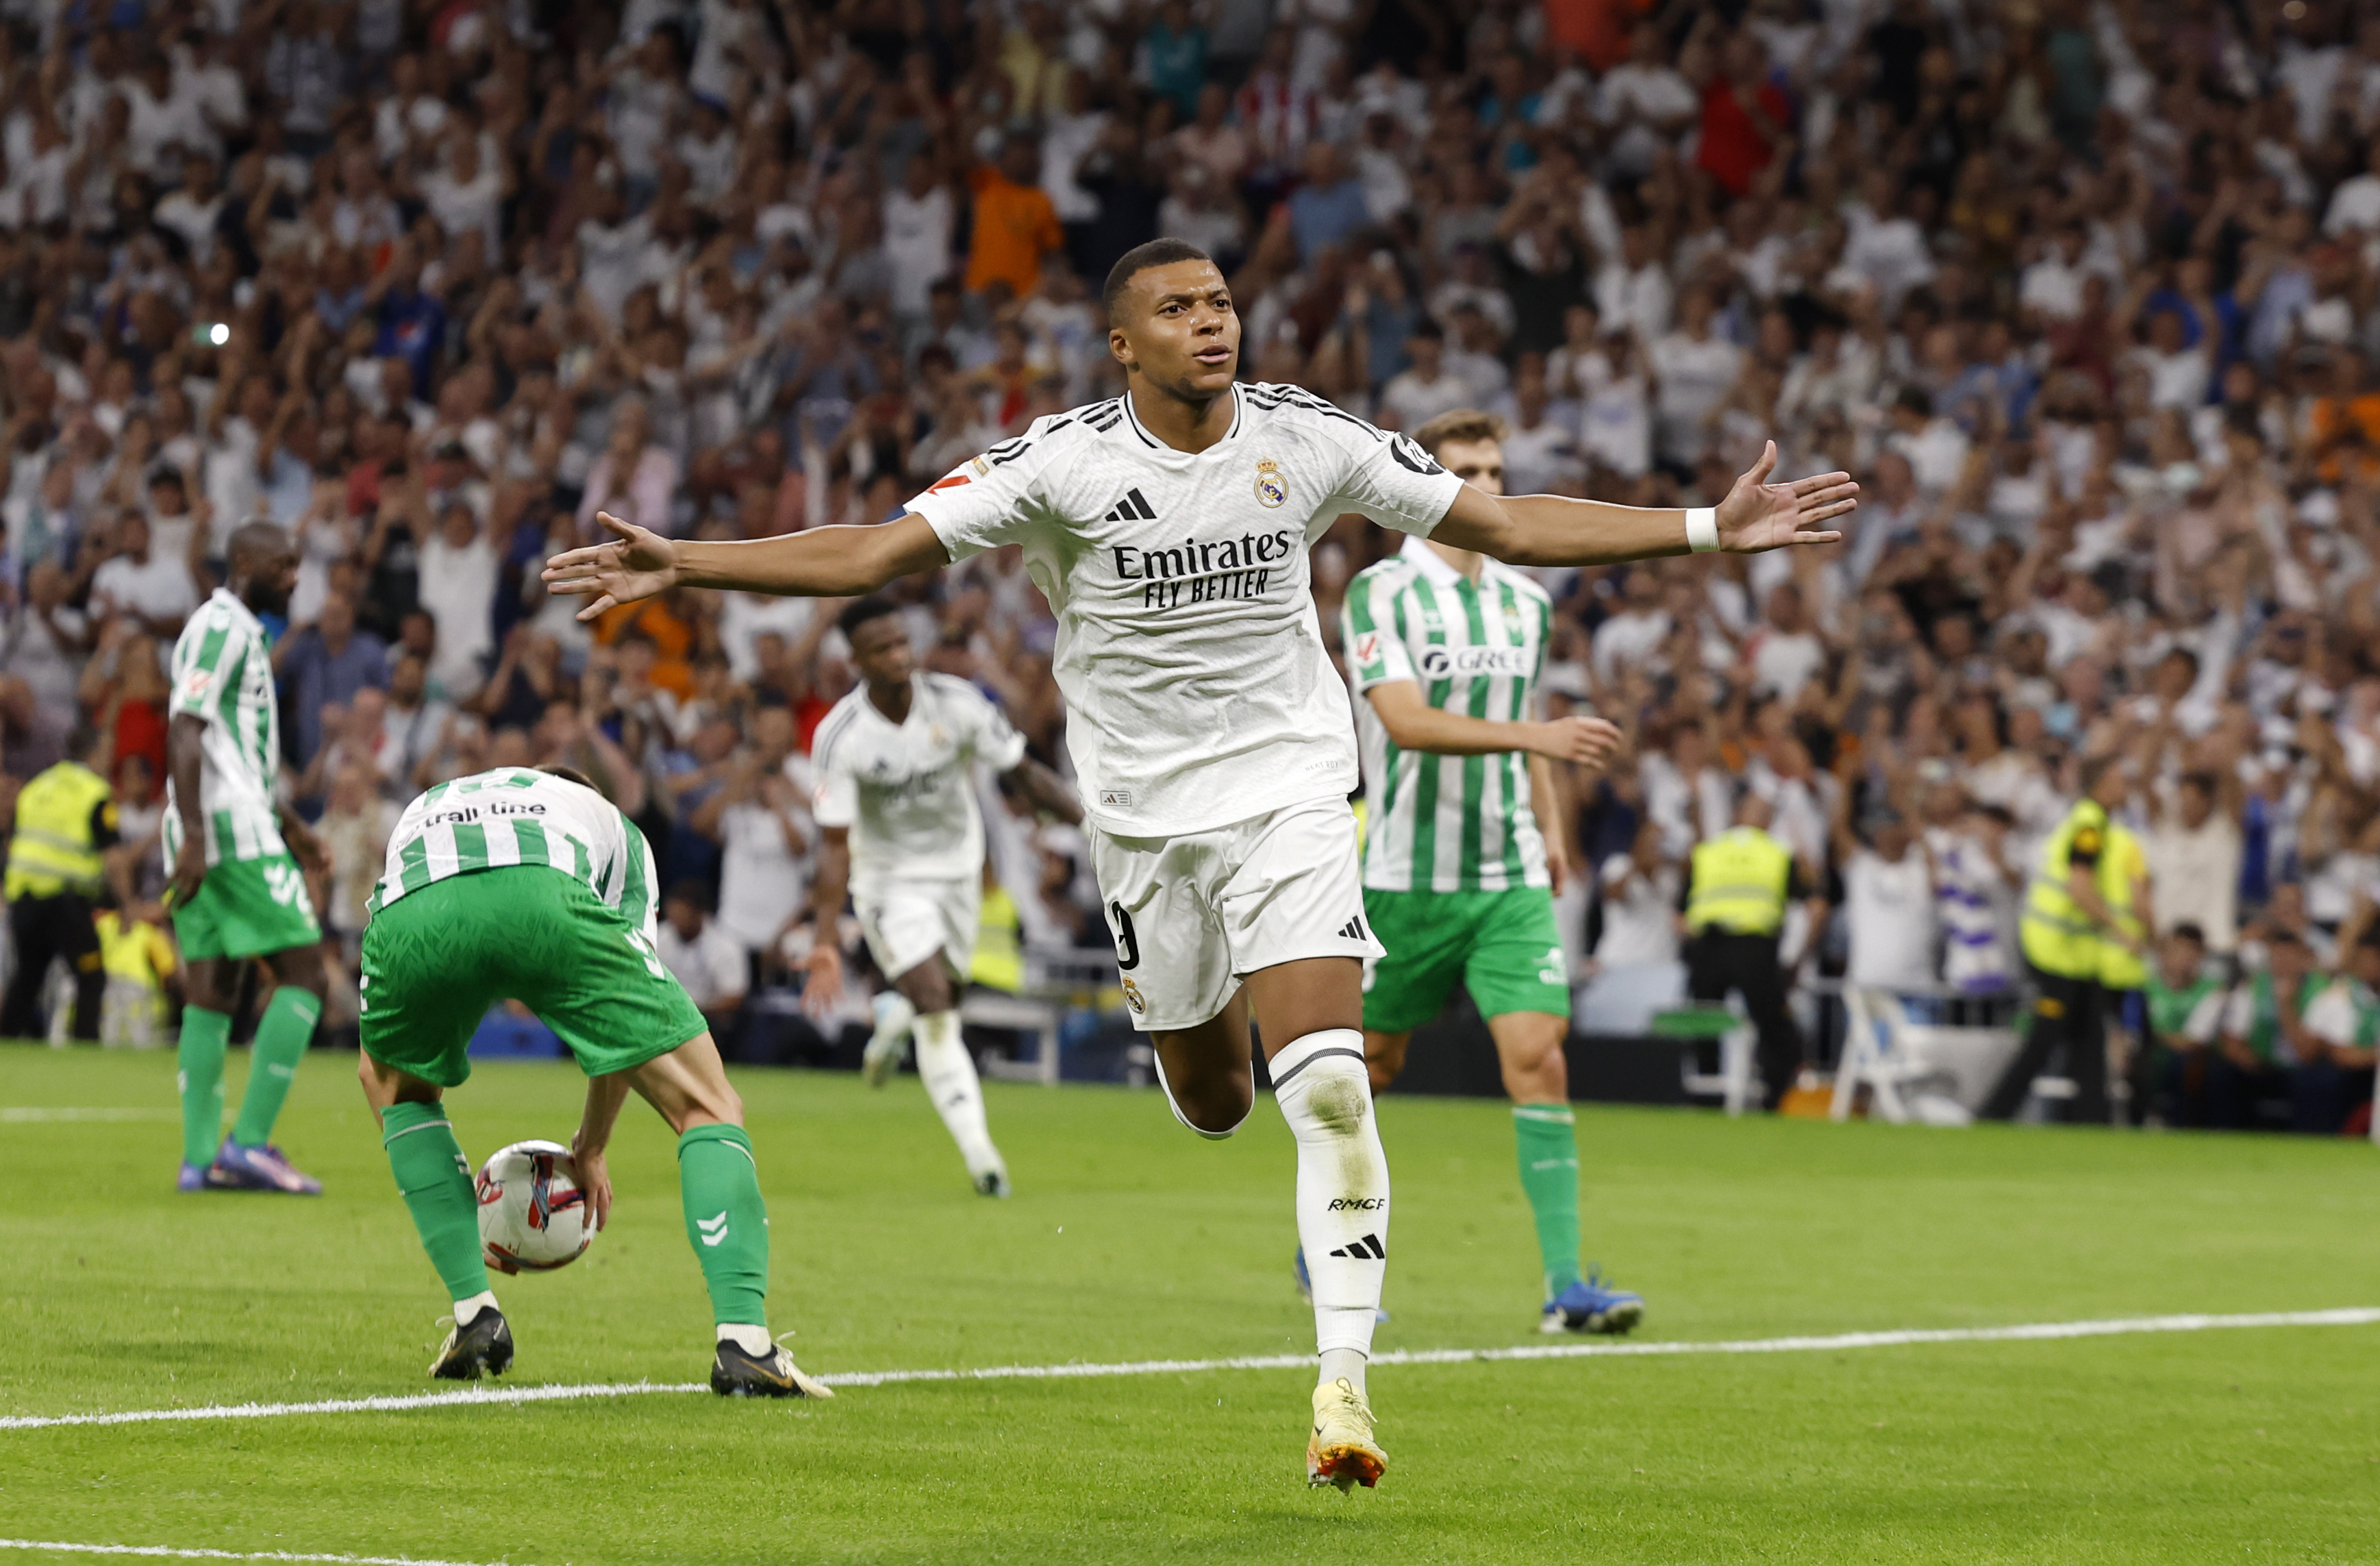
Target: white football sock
1167	1088
1325	1093
894	1015
468	1310
753	1340
1344	1364
948	1072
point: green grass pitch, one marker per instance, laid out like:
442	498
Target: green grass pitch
1130	1239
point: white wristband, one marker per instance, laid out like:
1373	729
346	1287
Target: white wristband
1702	529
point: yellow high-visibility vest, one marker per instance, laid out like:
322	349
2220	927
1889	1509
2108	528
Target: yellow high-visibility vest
2057	936
2122	864
1739	877
999	948
53	851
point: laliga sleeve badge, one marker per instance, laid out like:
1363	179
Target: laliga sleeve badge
1272	485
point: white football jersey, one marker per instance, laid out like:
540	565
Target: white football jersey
1199	691
906	790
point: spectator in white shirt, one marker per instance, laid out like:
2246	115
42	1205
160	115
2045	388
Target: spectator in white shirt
153	586
2355	205
2052	286
1888	903
2194	852
1425	388
704	959
1693	369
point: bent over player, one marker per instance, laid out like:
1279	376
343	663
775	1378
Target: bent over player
895	798
1445	647
1167	529
528	885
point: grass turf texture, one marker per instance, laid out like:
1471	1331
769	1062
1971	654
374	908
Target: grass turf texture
1130	1239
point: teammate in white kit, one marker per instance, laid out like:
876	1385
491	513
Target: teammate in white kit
1212	738
895	797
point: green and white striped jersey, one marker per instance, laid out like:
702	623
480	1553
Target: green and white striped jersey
223	675
517	815
1447	823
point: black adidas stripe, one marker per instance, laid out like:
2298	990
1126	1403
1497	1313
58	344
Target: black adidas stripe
1369	1248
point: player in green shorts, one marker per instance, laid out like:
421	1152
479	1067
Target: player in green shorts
237	895
528	885
1445	645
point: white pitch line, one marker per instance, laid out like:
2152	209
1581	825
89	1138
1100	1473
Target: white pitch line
37	1114
61	1548
2038	1331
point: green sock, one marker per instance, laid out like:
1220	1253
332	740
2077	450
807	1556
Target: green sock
204	1035
282	1036
436	1180
726	1221
1547	1138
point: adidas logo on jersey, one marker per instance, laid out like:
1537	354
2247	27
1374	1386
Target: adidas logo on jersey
1134	507
1369	1248
1353	930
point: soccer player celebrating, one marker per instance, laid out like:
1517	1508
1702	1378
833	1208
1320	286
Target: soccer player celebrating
528	885
896	800
236	893
1445	645
1212	740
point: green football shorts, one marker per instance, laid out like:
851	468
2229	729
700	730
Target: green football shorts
435	960
247	908
1504	947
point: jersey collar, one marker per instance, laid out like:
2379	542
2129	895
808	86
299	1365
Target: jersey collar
1239	417
239	610
1434	568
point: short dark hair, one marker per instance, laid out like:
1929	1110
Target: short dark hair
2187	931
860	611
1143	257
687	890
568	774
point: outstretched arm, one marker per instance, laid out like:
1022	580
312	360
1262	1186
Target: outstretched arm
1550	531
1045	790
1413	724
821	563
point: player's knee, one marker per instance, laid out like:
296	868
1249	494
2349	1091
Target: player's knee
300	968
1218	1107
1543	1080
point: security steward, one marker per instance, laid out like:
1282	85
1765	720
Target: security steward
2070	925
1736	897
58	869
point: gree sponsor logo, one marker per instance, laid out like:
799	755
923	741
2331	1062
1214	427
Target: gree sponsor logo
1450	663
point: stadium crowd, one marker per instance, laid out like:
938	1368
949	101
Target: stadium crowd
2084	294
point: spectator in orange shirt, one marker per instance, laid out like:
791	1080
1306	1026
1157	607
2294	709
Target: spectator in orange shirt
1015	224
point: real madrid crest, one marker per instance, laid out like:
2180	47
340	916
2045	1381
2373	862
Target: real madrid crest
1272	484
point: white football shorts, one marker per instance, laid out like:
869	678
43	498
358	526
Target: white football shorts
1193	915
907	921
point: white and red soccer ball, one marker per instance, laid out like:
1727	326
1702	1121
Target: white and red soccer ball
533	1218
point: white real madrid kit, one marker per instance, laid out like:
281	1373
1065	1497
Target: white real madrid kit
906	791
1211	737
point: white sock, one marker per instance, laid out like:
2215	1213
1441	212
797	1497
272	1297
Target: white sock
1345	1365
948	1072
894	1015
753	1340
1167	1088
1325	1093
466	1310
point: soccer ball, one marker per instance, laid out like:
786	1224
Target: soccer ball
532	1216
